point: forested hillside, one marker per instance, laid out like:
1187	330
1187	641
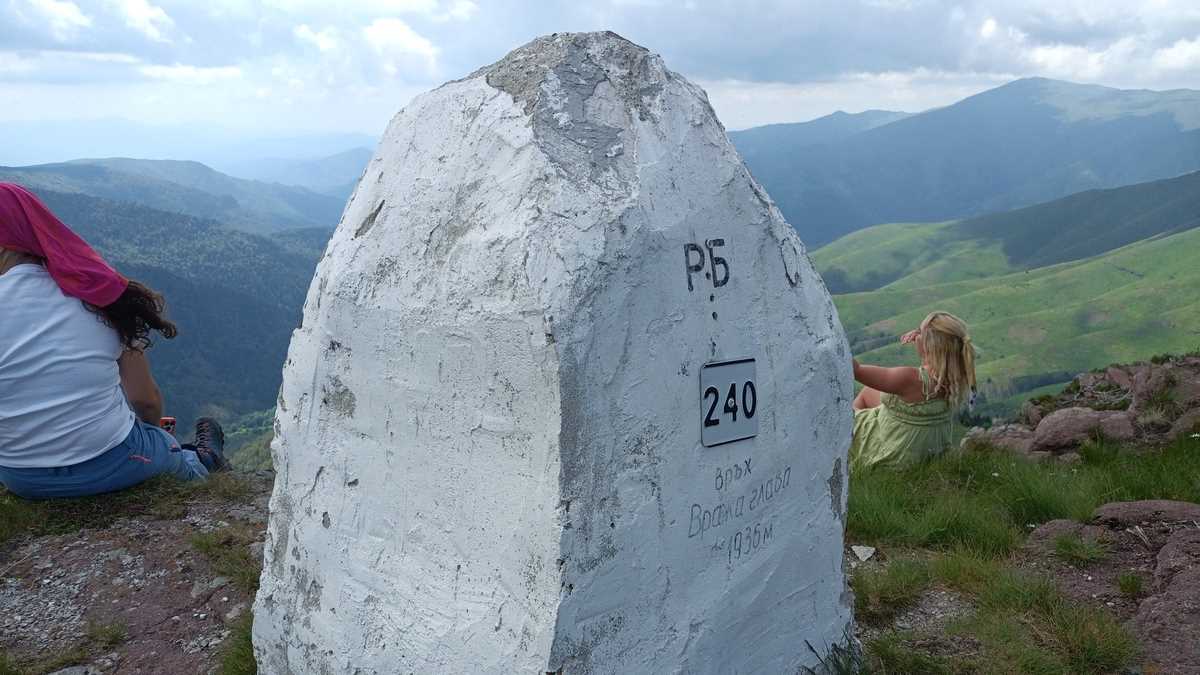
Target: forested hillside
236	297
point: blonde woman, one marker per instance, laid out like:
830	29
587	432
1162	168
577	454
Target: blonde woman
904	415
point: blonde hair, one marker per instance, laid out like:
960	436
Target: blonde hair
950	357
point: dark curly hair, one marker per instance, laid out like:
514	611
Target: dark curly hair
135	314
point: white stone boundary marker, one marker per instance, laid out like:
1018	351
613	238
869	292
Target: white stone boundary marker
505	442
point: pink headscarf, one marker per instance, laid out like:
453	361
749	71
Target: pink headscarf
26	225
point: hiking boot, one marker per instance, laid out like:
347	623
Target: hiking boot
210	445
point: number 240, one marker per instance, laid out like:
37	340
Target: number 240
749	400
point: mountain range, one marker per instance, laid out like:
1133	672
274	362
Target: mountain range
1060	220
1026	142
188	188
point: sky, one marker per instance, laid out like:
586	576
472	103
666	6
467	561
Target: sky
289	66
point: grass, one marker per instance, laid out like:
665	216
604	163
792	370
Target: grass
1075	316
956	521
161	497
1130	584
1020	623
228	549
107	635
882	593
1079	551
237	654
987	500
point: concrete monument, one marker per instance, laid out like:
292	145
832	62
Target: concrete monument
568	396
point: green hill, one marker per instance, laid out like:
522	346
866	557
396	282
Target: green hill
189	188
917	255
1042	326
1099	277
1026	142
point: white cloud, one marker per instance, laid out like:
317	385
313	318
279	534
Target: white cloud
64	16
988	28
1183	55
198	75
741	104
397	43
326	40
149	20
458	10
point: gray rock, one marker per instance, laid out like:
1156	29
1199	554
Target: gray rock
1168	623
1069	427
1187	424
1016	438
1126	514
1181	552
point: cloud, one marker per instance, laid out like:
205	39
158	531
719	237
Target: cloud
1184	55
66	19
191	74
149	20
326	40
396	43
786	60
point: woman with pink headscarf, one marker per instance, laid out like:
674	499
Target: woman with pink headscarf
79	408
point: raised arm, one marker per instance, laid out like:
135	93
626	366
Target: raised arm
904	381
140	388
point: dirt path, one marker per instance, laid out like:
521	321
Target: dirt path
134	596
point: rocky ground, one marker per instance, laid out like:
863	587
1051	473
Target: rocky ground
1155	541
1143	403
142	594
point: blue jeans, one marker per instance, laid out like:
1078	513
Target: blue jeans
146	452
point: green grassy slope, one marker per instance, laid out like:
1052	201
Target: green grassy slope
1118	307
906	255
918	255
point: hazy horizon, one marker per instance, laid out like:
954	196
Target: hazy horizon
278	68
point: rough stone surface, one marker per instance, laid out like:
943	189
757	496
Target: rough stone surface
1157	541
1187	424
488	436
1069	427
1149	510
1017	438
137	573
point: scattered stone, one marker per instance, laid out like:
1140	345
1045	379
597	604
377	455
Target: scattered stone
77	670
207	588
1017	438
863	553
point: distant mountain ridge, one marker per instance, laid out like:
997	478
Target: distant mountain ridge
186	187
1025	142
334	175
766	143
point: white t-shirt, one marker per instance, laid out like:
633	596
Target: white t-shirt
61	401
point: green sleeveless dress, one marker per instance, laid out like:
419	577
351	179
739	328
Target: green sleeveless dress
898	434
